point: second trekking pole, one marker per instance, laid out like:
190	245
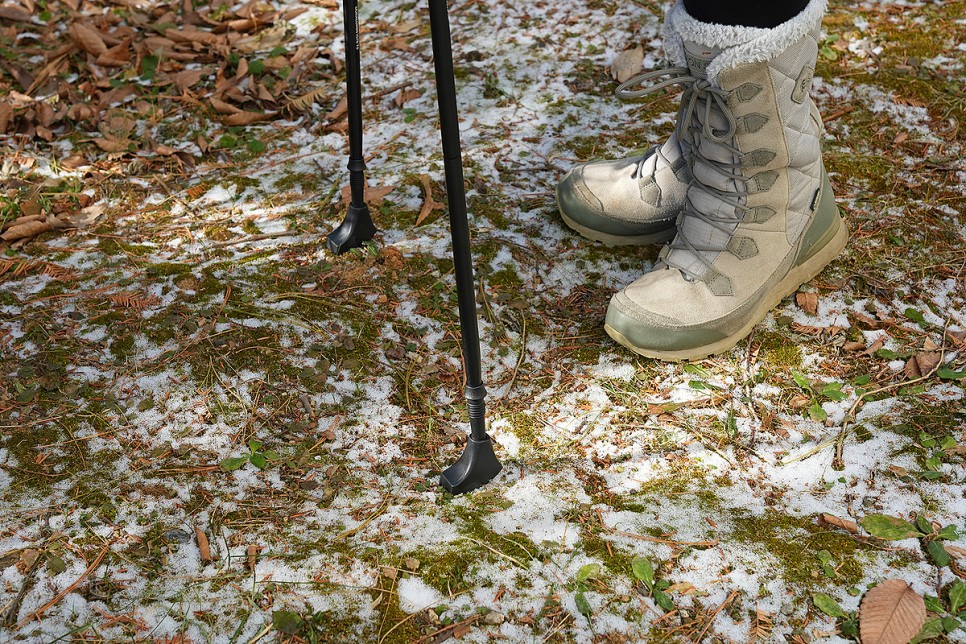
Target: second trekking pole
478	463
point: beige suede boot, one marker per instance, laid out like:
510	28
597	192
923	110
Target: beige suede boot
760	217
626	201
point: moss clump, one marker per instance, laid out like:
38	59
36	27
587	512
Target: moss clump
167	269
794	543
778	351
449	570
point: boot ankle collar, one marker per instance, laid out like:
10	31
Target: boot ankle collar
740	44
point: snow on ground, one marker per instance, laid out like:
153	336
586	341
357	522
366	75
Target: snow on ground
334	384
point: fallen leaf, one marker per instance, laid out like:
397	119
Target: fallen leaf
16	14
853	346
26	230
374	195
185	79
825	520
429	204
88	38
251	556
400	43
111	144
86	216
339	110
807	302
222	107
875	346
247	118
627	64
921	364
203	547
406	95
404	27
891	613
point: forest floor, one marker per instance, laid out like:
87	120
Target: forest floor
212	429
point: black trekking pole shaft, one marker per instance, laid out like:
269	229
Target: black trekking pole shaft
478	464
353	76
459	226
356	227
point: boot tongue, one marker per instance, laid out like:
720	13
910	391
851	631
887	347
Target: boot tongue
699	57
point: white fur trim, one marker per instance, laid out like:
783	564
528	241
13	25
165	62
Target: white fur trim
740	44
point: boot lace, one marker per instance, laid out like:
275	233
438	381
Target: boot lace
699	101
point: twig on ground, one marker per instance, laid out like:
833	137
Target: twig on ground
91	568
255	238
730	598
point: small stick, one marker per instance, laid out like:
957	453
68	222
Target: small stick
699	544
14	608
254	238
91	568
714	615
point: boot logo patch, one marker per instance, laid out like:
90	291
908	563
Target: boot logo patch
802	84
697	63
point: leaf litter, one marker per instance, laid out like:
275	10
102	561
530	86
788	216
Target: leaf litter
182	357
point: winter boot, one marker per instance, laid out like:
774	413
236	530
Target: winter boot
760	218
627	201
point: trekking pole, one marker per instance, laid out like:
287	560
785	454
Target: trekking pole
357	227
478	463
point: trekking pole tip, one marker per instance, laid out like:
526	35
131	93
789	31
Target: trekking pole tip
355	230
475	468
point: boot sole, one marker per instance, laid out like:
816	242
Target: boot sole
797	276
659	237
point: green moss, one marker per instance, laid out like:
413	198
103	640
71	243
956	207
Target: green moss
218	232
167	269
778	351
122	346
22	445
794	543
111	246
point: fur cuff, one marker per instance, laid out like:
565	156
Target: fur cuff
740	44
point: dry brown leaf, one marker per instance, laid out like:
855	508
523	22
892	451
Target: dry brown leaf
341	108
74	162
429	204
11	12
406	95
247	118
204	548
853	346
6	115
111	144
807	302
891	613
627	64
86	216
400	43
251	555
875	346
373	195
26	230
222	107
921	364
187	78
404	27
88	38
190	34
826	520
117	56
